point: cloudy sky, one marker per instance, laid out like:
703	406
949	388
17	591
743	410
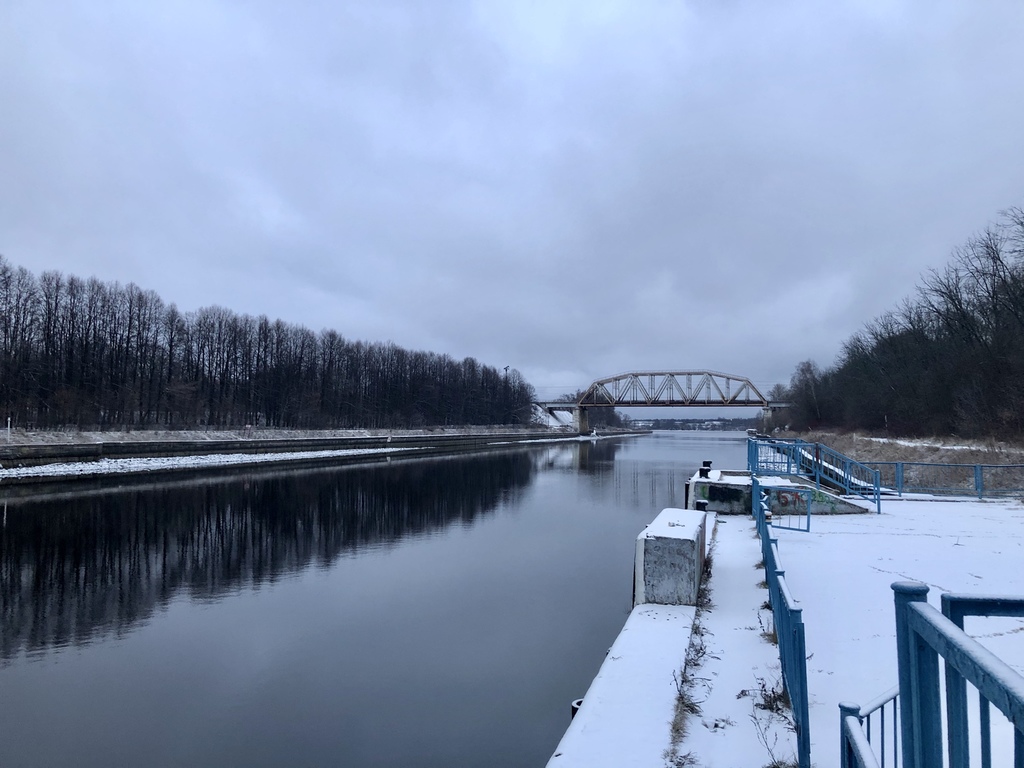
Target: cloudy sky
575	189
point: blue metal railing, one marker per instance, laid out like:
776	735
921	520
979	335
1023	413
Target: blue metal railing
789	503
956	608
816	462
979	480
923	634
868	737
789	626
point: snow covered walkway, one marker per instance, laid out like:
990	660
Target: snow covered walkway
738	669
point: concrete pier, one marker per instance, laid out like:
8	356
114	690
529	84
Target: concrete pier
626	714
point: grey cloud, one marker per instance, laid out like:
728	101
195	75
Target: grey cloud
571	189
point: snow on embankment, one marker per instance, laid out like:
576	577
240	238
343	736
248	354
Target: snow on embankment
116	458
166	463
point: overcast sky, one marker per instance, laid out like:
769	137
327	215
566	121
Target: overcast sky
572	189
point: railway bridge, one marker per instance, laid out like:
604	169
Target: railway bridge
665	389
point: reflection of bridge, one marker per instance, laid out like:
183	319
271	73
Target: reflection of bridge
671	389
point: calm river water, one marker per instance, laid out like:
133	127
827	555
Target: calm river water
418	613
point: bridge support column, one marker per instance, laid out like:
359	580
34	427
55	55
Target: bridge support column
580	420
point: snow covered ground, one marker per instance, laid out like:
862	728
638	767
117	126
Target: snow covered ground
946	446
841	574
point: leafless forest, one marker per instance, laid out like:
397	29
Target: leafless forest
948	360
90	354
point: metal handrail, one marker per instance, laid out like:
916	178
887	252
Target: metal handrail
857	742
787	618
817	462
979	480
923	635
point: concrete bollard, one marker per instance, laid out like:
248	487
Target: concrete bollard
670	558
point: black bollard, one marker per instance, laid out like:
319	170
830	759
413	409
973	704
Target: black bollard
575	708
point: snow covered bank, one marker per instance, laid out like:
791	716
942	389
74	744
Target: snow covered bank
142	465
177	463
841	573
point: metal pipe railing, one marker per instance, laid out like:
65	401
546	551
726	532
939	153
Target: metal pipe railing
816	462
979	480
787	618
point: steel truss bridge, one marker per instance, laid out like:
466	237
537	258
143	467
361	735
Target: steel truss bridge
670	389
674	389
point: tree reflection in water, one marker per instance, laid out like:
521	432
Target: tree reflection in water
83	567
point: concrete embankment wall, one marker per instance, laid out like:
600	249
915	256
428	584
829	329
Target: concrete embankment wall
625	716
282	455
728	493
34	455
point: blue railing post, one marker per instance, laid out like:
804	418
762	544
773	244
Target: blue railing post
846	753
921	718
979	481
956	697
899	478
798	696
817	465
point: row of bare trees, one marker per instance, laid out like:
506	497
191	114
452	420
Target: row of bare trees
87	353
950	360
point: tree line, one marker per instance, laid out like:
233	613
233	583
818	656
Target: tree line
93	354
948	360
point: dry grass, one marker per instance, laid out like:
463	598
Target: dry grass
939	450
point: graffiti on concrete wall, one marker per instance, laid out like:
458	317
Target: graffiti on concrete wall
792	501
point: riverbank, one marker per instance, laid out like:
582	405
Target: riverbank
47	463
72	436
948	450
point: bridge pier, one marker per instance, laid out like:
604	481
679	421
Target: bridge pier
580	421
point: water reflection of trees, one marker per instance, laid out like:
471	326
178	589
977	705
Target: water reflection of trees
82	567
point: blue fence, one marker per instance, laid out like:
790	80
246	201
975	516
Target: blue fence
789	626
816	462
923	634
961	479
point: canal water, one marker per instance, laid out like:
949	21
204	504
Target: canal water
414	613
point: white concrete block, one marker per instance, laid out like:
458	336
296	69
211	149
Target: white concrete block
670	558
